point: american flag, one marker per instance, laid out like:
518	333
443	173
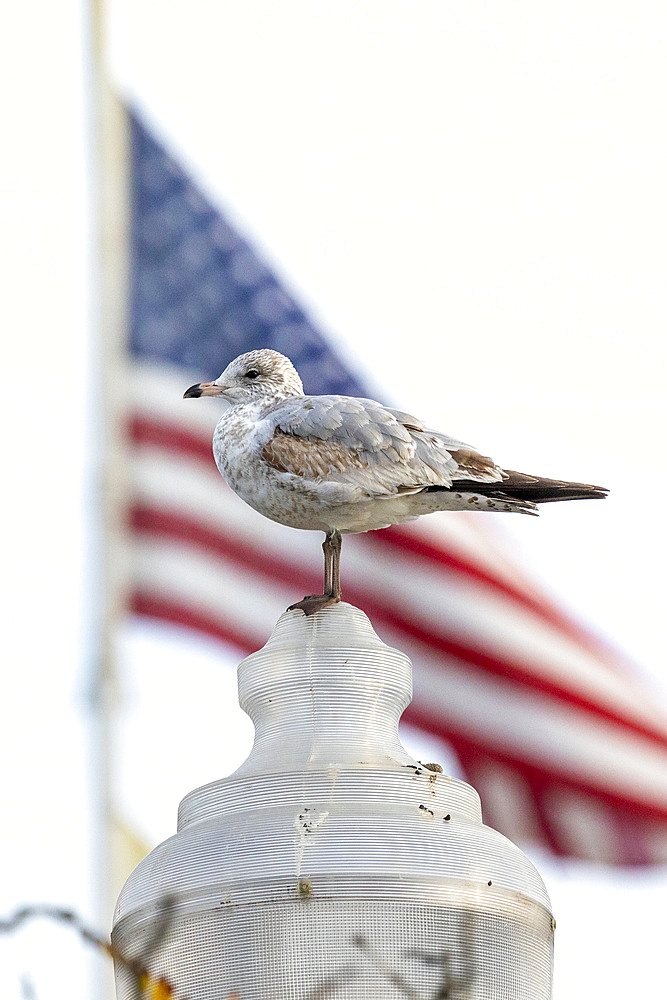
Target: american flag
565	747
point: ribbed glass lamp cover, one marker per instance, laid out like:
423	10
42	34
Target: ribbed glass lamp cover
332	864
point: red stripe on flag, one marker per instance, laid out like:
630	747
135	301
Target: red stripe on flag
425	551
542	777
170	437
632	821
152	606
168	524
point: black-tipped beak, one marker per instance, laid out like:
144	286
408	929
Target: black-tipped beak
203	389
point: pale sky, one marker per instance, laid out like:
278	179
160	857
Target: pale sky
469	196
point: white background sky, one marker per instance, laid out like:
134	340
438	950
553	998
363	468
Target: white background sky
471	196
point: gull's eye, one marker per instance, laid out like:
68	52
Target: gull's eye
253	373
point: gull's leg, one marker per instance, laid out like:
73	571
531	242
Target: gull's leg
335	542
314	602
328	564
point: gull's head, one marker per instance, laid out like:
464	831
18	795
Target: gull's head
253	377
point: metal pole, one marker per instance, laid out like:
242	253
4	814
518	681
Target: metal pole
110	141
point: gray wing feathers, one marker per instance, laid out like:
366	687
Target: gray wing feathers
391	450
361	424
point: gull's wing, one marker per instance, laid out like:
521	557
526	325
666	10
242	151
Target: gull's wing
377	450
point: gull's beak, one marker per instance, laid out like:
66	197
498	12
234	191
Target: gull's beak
203	389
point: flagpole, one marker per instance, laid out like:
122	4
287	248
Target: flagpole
111	209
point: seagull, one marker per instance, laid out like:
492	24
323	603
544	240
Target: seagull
343	464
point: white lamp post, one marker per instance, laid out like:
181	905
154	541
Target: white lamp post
331	864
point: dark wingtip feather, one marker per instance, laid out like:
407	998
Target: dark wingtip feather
520	486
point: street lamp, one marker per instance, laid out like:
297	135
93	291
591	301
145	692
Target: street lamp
332	864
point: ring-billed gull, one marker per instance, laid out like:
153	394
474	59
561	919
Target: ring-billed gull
341	464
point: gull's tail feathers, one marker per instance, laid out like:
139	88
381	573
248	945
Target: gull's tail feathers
520	486
469	496
517	493
523	492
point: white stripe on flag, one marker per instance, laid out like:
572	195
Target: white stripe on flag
509	802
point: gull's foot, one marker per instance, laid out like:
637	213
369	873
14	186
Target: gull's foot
314	602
